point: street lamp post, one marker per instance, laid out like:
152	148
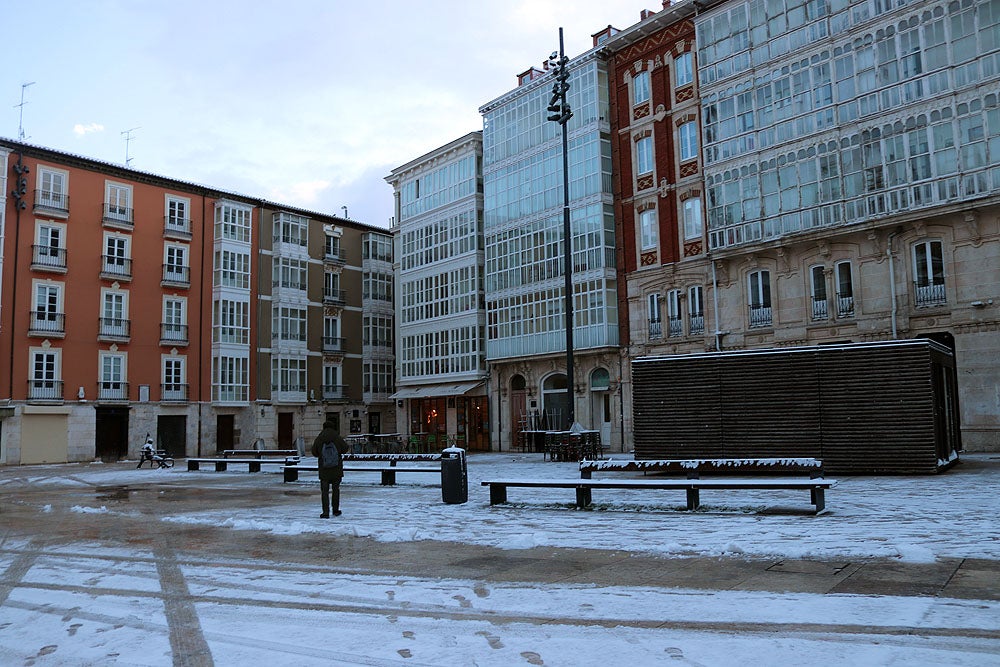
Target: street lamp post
560	112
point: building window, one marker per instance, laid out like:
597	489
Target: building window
232	269
232	223
332	248
648	229
845	290
49	251
640	88
174	326
177	216
377	286
332	294
174	381
688	137
47	317
114	315
112	385
332	389
289	273
759	293
928	269
289	228
116	257
231	322
332	342
655	321
683	69
175	268
46	371
644	155
118	202
820	306
692	218
675	325
696	311
52	189
289	324
230	379
288	374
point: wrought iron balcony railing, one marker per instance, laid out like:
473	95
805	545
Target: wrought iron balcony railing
51	202
116	268
171	391
46	323
929	294
45	390
114	327
119	217
760	316
112	390
46	257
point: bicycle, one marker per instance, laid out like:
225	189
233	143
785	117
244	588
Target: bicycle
159	457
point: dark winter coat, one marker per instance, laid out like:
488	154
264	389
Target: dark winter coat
328	434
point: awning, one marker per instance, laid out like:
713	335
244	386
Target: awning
437	390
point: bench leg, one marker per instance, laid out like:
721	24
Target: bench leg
254	467
693	499
498	494
291	475
220	466
585	474
193	465
583	496
818	499
388	477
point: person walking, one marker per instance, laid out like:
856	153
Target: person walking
329	449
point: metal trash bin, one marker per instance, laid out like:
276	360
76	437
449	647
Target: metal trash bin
454	476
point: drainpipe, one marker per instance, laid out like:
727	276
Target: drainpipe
892	281
715	308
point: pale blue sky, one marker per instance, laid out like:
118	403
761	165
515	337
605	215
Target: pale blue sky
305	102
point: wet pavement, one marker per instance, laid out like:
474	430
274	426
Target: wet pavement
33	522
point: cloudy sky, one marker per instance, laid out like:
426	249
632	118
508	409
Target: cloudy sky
305	102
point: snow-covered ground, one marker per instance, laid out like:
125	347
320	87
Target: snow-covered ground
93	604
910	518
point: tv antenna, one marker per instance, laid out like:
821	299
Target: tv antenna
20	113
128	139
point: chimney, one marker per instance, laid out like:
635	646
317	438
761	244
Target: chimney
646	13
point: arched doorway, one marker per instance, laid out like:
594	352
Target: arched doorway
554	408
600	403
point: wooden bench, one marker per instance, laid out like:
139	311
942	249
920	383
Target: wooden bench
694	468
693	488
258	453
222	464
291	472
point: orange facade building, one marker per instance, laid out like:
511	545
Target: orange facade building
130	304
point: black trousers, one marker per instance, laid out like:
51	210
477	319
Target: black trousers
331	495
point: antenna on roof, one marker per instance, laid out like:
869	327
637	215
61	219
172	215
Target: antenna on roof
344	209
20	114
128	138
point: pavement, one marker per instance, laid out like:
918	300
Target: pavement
29	530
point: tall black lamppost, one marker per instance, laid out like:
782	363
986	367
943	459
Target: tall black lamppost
560	112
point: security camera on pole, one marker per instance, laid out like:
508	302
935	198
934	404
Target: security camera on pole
560	112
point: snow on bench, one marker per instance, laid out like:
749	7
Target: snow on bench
694	468
291	471
692	487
